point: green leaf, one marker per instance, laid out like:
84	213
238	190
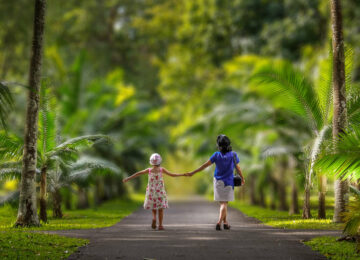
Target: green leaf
345	162
288	88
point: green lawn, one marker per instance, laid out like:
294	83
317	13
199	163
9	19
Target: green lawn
327	246
332	249
17	243
282	219
106	215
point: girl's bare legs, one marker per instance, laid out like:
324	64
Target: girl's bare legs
153	224
161	216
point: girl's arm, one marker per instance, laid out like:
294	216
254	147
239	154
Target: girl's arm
135	175
202	167
172	174
240	173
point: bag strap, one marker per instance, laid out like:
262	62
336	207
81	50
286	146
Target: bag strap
234	157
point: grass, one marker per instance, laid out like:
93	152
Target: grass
332	249
104	216
25	245
16	243
282	219
328	246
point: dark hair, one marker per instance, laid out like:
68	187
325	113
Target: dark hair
223	144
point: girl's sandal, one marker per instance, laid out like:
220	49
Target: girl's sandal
218	227
161	228
226	226
153	224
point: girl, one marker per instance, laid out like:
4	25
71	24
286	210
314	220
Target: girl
155	198
223	177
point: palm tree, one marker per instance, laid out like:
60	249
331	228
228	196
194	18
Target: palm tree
27	212
344	164
49	158
81	172
339	94
289	89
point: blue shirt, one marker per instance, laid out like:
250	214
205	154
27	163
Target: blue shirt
224	166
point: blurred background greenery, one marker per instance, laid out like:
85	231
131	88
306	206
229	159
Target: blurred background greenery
168	76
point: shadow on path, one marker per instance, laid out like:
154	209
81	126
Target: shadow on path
190	234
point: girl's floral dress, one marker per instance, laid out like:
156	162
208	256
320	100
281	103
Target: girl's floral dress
155	197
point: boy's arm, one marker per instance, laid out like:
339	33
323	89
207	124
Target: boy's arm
172	174
135	175
202	167
240	173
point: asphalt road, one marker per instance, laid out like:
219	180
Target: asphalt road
190	234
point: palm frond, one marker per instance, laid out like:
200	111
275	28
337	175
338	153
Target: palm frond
47	122
71	147
354	190
11	146
6	102
88	166
324	85
345	162
353	109
82	141
12	196
67	155
349	67
95	163
288	88
10	173
278	150
352	217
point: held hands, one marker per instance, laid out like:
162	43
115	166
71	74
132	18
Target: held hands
189	174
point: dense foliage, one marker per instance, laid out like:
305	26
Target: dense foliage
169	76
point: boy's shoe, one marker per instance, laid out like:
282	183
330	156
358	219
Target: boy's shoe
226	226
153	224
218	227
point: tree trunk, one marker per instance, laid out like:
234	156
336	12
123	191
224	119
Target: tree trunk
43	214
294	206
282	187
341	199
339	96
27	212
322	193
120	188
57	212
68	199
306	214
83	200
275	194
99	191
282	198
262	200
252	190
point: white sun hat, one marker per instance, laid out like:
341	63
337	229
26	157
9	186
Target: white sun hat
155	159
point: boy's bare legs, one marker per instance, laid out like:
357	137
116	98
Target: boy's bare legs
161	216
153	224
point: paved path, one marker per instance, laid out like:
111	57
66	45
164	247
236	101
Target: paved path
190	234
